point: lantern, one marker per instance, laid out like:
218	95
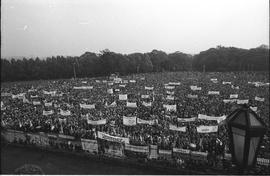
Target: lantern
246	131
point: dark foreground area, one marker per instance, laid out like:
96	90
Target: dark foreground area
13	157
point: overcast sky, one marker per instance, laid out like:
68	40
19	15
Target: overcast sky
72	27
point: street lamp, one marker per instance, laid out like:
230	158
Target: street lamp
246	131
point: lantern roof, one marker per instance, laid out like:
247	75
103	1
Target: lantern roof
245	118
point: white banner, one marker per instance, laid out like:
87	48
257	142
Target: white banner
65	113
164	152
5	94
134	148
207	129
214	80
234	96
89	145
132	81
242	101
153	152
229	100
33	96
19	96
48	104
259	99
87	106
182	151
132	105
206	117
169	87
148	122
213	92
234	87
36	103
170	92
148	88
113	104
175	83
83	87
175	128
169	97
254	108
170	107
192	119
145	96
147	104
195	88
129	121
108	137
122	96
110	83
226	82
49	92
192	96
96	122
110	91
122	85
46	113
198	155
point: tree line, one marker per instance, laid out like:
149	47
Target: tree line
106	62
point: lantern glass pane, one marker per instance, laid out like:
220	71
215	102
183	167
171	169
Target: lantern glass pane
240	119
253	120
254	142
239	144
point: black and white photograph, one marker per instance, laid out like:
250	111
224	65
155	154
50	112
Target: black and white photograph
135	87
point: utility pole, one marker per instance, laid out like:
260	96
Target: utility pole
74	71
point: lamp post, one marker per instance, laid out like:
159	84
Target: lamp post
246	131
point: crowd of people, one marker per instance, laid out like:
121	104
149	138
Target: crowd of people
57	106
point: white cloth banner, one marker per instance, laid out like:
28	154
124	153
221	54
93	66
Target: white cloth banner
132	105
229	100
213	92
192	119
19	96
254	108
170	87
110	91
46	113
108	137
129	121
132	81
170	92
33	96
234	96
89	145
145	96
36	103
48	104
192	96
147	104
148	122
234	87
206	117
49	92
214	80
125	81
242	101
259	99
170	107
83	87
175	83
134	148
226	82
122	85
148	88
207	129
87	106
122	96
110	83
175	128
65	113
96	122
195	88
169	97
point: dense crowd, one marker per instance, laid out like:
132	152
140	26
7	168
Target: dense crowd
23	105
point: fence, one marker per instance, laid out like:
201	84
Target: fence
112	148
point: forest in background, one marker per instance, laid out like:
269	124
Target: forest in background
91	64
